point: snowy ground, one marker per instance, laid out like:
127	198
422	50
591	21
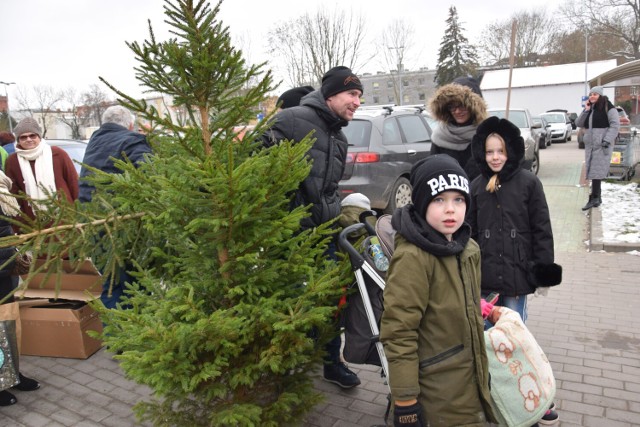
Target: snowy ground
620	212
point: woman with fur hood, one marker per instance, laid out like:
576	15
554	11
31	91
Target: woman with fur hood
459	109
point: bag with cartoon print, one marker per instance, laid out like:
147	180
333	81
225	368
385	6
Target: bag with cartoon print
522	382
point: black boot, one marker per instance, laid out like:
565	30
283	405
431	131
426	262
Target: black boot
589	204
597	201
26	384
7	399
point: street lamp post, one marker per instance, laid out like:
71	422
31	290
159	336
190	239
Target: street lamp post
6	94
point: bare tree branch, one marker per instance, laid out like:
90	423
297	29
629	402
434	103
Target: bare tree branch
313	43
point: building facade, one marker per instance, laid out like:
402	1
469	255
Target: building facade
384	88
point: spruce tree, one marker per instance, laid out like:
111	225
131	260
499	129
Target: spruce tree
456	56
232	302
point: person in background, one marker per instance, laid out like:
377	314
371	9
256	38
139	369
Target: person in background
459	109
115	139
291	98
38	169
9	207
602	124
432	325
8	142
325	111
509	218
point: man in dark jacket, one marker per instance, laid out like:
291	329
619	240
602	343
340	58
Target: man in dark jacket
325	112
115	139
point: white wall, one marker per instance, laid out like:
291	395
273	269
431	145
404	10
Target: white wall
539	99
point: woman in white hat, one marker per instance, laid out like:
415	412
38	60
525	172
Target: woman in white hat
602	123
37	169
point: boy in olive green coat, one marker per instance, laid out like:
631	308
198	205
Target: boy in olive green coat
432	326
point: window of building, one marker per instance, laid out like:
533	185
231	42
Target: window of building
376	84
390	99
389	83
376	99
420	81
405	82
421	96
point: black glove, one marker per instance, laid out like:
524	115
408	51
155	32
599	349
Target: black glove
408	416
605	144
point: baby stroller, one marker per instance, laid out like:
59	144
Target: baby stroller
364	308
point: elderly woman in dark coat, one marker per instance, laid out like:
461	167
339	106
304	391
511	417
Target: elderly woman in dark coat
602	123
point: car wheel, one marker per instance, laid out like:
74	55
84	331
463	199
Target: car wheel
542	144
569	138
535	164
400	196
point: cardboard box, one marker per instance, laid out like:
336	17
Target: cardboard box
56	324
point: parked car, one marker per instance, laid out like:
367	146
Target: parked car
542	134
74	148
560	126
624	118
384	143
572	116
522	118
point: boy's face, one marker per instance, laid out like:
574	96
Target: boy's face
446	212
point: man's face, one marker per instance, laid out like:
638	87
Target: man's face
344	104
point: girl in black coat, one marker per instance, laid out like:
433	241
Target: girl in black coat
9	206
509	218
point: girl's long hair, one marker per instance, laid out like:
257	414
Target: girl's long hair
601	103
494	182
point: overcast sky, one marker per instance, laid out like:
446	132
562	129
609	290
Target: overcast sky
69	43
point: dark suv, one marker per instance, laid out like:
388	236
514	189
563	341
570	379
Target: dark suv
384	142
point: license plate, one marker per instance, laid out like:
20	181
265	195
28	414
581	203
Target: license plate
616	158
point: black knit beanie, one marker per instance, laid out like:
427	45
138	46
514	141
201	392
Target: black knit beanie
434	175
469	82
292	97
339	79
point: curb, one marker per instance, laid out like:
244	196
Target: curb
596	240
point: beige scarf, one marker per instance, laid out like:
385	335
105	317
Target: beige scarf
8	203
44	180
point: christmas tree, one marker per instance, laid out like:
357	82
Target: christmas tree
456	56
232	303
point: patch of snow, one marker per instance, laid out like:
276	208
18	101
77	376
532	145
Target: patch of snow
620	211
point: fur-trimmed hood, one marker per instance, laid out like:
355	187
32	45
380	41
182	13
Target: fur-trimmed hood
512	139
458	94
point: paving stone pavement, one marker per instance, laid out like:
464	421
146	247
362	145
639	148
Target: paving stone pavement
588	326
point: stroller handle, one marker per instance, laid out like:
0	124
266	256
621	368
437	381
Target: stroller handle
363	219
356	258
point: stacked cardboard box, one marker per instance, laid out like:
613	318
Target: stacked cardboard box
55	324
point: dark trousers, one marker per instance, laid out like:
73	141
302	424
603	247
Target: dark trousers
333	347
117	291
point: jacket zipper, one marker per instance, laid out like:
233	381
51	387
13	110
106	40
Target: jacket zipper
442	356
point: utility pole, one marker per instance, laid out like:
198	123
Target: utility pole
399	57
6	94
